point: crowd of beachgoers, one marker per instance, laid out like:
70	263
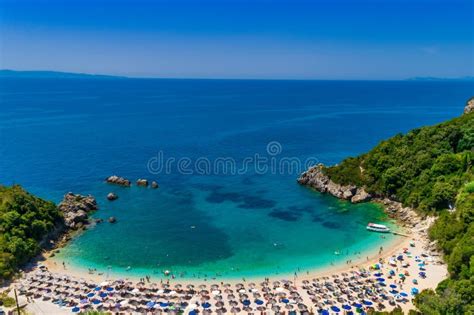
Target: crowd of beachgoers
392	282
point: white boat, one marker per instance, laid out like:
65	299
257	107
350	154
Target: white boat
378	228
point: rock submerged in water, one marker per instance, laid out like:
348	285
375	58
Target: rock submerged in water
154	185
315	178
76	208
111	196
142	182
112	220
117	180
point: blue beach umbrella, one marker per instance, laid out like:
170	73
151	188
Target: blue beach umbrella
378	274
75	309
394	292
258	302
393	286
403	294
193	312
380	279
95	301
347	307
91	294
110	289
366	302
414	291
324	312
206	305
335	309
357	305
285	301
150	304
97	289
164	304
103	295
246	302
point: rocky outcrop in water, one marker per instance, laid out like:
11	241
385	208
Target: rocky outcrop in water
76	208
154	185
112	220
469	106
315	178
111	196
117	180
142	182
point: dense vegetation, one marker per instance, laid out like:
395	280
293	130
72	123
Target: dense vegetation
429	169
24	222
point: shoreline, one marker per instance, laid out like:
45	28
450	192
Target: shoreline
413	230
392	246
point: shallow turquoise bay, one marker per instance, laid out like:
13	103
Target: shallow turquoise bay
68	135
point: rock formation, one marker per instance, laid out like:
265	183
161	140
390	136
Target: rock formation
315	178
154	185
111	196
469	106
112	220
114	179
142	182
76	208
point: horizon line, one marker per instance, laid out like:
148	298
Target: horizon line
71	75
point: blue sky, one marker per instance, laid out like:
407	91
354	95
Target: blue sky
330	39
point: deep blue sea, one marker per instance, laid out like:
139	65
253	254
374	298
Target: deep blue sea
226	154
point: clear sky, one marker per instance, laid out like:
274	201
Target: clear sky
288	39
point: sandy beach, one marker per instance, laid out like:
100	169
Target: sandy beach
407	266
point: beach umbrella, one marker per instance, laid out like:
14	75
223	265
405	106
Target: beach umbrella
403	294
91	294
285	301
258	302
103	294
75	309
110	289
366	302
335	309
414	291
380	279
192	312
164	304
393	286
95	301
97	289
246	302
206	305
324	312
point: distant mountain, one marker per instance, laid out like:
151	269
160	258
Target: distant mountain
468	78
5	73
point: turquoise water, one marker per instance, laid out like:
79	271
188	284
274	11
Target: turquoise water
68	135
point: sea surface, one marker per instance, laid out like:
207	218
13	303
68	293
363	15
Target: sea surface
226	154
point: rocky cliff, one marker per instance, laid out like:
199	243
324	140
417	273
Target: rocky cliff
76	209
469	106
315	178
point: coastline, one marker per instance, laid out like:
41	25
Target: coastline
413	229
436	267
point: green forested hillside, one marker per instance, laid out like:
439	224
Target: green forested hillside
429	169
24	221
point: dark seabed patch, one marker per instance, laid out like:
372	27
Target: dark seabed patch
245	201
331	225
285	215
